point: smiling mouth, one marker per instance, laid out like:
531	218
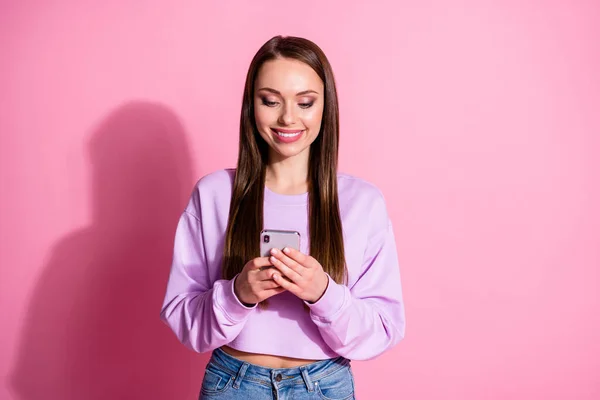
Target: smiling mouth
287	133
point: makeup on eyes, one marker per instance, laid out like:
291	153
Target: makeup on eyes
268	102
304	103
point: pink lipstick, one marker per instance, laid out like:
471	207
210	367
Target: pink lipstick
287	135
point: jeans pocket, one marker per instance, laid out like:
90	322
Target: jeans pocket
337	386
215	380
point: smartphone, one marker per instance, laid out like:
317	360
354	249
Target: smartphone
277	239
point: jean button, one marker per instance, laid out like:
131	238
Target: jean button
278	378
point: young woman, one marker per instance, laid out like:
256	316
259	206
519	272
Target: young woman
285	326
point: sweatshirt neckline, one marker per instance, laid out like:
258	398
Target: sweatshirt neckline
285	199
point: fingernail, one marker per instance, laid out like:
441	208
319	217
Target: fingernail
275	276
273	251
286	250
273	259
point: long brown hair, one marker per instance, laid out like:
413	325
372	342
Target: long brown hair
242	240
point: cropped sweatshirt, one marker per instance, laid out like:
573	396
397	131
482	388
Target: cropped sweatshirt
358	320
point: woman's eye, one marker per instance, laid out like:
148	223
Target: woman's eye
305	105
269	103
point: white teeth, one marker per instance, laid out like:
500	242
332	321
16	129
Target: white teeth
288	135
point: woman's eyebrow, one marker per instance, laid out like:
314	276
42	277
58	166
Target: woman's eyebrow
279	93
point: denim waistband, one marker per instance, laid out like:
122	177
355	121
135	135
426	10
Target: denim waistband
303	374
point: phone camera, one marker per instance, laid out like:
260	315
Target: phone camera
267	239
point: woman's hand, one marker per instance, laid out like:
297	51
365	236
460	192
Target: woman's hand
255	283
305	276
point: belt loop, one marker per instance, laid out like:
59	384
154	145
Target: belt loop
307	381
240	375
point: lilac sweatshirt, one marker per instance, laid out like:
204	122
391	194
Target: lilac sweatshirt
358	321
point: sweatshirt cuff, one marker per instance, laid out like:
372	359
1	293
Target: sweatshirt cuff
331	302
235	310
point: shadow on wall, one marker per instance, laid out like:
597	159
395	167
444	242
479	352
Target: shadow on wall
93	330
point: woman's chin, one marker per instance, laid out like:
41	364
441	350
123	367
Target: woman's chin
289	151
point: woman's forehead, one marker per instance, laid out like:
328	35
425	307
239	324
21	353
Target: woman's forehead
288	76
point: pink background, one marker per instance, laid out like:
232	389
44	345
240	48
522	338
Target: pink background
479	120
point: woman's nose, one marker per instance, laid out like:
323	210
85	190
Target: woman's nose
287	116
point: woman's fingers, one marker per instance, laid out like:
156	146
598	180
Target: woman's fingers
286	270
295	266
266	273
270	284
286	284
259	263
299	257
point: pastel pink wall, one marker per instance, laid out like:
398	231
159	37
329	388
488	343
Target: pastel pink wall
479	120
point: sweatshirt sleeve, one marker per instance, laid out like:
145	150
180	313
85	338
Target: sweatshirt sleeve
363	321
202	315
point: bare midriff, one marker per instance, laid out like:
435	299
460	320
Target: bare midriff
266	360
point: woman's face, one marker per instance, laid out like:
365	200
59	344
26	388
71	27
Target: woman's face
288	107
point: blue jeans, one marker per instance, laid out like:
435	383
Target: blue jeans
228	378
